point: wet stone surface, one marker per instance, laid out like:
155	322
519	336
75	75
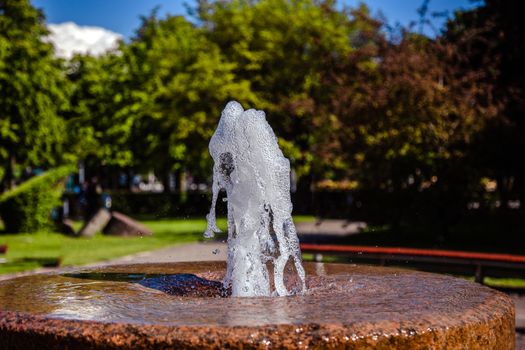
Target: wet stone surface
183	305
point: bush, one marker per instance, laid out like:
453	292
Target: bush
28	207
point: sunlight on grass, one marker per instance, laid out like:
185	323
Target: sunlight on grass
29	251
505	282
303	218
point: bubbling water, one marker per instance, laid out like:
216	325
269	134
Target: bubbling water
251	168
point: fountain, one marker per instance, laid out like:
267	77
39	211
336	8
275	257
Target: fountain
236	304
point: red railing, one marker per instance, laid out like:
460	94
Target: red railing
329	248
477	263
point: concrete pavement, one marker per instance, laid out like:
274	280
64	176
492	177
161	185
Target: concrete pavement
203	251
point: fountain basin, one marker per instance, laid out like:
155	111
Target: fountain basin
346	306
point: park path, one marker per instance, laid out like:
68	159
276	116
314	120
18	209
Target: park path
203	251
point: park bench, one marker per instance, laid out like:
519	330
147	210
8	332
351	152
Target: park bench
479	265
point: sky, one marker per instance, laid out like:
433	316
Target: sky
96	25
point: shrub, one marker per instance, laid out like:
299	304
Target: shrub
28	207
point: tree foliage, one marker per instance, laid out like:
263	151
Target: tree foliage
279	46
28	207
101	127
488	41
182	81
403	114
34	91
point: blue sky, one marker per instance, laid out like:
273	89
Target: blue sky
123	16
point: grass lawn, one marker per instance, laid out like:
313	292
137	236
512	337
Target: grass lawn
505	282
29	251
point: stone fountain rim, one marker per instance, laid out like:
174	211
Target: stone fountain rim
15	326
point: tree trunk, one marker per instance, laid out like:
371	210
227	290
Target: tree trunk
166	181
9	179
183	181
503	191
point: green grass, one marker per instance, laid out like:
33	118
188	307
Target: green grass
303	218
28	251
32	250
505	282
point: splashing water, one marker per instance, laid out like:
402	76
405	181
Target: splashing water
249	165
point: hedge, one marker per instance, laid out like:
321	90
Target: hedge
28	207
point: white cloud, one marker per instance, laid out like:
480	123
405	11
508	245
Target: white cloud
69	38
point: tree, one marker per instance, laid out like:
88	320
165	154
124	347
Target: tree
182	82
33	92
280	47
487	41
406	122
102	110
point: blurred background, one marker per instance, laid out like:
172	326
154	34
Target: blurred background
403	121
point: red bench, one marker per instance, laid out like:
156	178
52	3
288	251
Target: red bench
3	249
459	262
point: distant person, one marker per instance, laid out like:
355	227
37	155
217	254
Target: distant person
92	196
